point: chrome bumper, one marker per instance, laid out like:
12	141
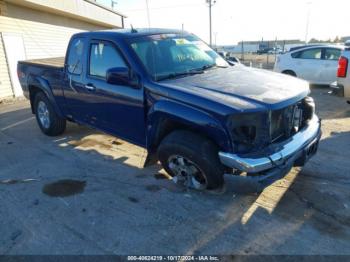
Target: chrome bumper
278	154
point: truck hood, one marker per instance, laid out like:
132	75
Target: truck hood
242	86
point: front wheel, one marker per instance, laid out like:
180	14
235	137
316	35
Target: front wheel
191	160
49	122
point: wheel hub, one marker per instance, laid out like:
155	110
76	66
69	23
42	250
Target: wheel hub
43	114
186	172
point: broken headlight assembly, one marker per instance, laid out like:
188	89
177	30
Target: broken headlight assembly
248	131
308	109
253	131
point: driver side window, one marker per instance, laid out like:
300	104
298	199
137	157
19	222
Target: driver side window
103	57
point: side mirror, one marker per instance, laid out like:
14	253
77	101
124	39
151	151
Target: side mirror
118	76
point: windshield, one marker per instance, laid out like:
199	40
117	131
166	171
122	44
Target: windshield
170	55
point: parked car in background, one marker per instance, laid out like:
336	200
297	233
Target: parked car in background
316	64
263	51
232	60
342	85
275	50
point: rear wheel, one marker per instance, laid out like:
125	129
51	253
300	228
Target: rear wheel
289	72
191	160
48	120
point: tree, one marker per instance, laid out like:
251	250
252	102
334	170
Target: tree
336	39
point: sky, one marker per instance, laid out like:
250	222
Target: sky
237	20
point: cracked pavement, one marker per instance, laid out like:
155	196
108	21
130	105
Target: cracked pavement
112	206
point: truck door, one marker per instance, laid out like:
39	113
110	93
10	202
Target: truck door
116	109
75	93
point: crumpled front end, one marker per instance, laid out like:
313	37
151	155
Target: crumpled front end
274	141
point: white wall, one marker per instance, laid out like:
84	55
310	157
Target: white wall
44	35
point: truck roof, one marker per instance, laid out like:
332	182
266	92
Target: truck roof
131	33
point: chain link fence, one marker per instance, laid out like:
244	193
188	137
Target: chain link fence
257	54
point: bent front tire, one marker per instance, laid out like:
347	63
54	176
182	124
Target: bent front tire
49	121
192	160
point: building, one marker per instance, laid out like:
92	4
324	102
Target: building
31	29
254	46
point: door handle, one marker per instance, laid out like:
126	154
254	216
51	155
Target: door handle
90	87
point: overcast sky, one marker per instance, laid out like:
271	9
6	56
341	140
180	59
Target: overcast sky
236	20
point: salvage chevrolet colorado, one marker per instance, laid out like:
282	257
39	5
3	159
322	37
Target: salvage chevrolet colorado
169	92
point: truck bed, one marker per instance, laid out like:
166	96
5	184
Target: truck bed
56	62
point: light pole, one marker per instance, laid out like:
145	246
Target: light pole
210	4
215	35
307	20
148	15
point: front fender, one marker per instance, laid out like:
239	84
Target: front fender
188	117
44	86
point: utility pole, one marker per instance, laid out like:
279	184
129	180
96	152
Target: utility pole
210	4
148	15
307	20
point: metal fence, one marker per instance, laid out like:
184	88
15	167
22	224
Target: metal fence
260	55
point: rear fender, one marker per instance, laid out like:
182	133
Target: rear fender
44	86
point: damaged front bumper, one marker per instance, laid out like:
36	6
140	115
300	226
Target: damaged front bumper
277	159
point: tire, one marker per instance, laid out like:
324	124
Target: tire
289	72
196	152
44	110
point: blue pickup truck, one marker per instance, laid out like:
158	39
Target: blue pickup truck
169	92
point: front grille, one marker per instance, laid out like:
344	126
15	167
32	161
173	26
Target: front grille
283	123
287	121
276	125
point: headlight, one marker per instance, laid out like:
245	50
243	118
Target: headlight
308	105
248	131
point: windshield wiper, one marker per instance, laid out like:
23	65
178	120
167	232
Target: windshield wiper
175	75
205	67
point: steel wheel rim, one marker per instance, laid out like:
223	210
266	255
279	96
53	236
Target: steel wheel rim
43	114
186	171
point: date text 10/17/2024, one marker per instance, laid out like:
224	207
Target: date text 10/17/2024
172	258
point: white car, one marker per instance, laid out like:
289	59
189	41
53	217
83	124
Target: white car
314	63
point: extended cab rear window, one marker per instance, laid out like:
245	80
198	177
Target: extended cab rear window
74	60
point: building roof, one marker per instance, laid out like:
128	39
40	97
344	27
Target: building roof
85	10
